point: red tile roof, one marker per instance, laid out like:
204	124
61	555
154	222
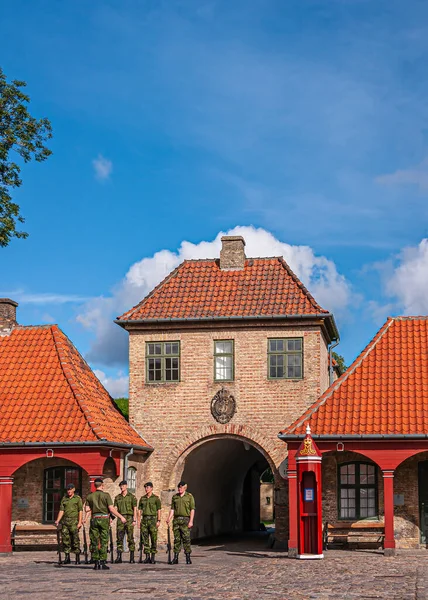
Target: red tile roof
383	392
48	393
199	289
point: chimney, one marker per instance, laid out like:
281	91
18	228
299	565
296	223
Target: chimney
232	253
7	315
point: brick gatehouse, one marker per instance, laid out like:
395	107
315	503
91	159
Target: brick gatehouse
222	353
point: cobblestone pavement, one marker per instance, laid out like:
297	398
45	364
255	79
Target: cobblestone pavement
232	570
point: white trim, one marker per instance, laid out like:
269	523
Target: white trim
310	556
306	459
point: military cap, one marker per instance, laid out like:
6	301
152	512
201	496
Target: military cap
71	486
98	480
123	482
181	484
149	483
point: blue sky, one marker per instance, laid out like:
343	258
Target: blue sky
305	121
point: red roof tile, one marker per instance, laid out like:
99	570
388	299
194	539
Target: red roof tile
382	393
200	289
48	393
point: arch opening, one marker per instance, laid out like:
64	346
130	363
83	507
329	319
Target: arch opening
224	475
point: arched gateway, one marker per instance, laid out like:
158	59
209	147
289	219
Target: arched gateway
221	354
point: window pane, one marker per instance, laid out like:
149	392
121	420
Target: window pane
294	345
132	479
168	348
175	348
223	347
272	372
280	372
294	372
150	348
223	367
272	345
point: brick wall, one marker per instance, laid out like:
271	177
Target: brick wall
406	517
175	417
266	507
28	483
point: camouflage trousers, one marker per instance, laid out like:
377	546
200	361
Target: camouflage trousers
98	533
181	534
127	527
70	536
149	534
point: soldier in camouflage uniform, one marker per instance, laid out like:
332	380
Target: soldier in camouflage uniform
126	504
100	504
149	509
70	514
183	511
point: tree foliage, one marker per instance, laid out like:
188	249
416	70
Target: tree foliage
122	405
340	361
23	137
267	476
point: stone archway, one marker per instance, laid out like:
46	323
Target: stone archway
223	473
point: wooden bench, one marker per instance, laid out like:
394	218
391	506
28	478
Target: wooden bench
347	533
31	534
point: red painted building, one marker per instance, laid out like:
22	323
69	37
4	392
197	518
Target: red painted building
57	423
371	427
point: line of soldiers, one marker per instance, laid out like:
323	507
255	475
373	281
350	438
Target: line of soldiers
148	516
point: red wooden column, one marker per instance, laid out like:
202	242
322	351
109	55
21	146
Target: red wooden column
6	516
293	516
388	492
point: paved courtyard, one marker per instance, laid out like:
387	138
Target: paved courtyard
231	569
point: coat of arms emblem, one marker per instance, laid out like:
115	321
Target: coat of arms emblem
223	406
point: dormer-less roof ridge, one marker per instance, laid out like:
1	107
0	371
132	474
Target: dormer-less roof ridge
305	418
131	311
200	290
300	284
49	394
66	368
383	392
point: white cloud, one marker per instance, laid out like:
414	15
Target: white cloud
417	175
103	167
110	347
43	298
409	280
47	318
117	387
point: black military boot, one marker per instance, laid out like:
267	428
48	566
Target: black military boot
67	560
188	560
147	561
96	564
131	557
153	560
175	559
77	558
104	566
119	557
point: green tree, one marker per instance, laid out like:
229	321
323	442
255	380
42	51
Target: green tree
267	476
21	135
340	361
122	405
